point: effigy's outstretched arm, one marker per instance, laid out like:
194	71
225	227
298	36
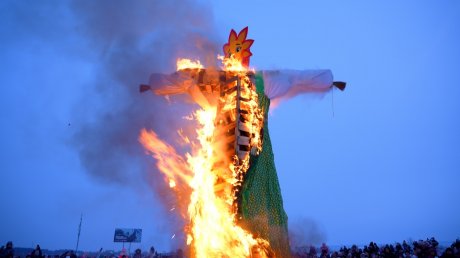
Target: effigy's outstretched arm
167	84
284	84
181	82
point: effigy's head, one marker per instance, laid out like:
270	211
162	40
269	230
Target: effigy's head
238	46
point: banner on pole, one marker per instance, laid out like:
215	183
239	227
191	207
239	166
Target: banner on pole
131	235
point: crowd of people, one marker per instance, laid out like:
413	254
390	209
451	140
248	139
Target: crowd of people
8	251
428	248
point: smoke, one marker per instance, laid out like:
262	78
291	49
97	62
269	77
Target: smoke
113	46
304	232
130	40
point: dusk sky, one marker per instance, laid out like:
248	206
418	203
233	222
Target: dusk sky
378	162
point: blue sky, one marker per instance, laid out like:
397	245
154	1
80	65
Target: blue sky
377	162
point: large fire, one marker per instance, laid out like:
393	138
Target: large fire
210	175
184	63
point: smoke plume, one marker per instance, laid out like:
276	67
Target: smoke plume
305	232
130	40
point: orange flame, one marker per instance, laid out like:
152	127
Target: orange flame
183	63
212	229
232	64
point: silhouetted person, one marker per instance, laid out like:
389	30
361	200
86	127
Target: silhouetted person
37	253
324	251
137	253
152	252
448	253
8	251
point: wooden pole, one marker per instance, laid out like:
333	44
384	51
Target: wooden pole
78	236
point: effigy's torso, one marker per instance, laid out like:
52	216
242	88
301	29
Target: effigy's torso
244	161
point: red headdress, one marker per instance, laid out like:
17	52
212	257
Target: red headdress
238	46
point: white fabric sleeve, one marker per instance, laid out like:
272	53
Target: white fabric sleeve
170	84
281	84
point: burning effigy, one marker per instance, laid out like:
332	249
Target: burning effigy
227	185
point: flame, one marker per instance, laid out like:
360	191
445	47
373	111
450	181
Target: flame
184	63
232	64
212	230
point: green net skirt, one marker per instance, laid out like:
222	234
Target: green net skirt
260	202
